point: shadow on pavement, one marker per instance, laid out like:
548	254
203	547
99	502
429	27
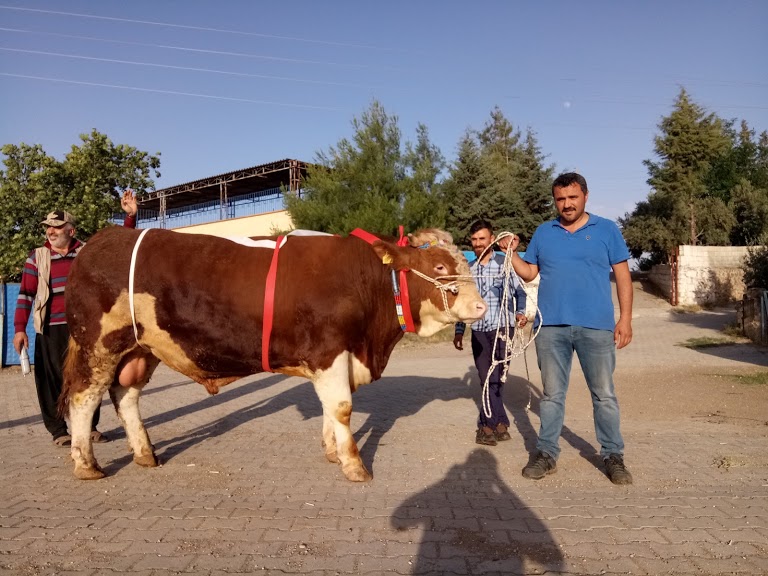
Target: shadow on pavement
384	402
393	398
747	353
718	320
496	532
177	445
518	392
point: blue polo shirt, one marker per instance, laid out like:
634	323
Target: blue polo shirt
575	286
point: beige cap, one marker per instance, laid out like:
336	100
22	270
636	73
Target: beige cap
59	218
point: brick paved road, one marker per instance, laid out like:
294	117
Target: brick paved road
245	488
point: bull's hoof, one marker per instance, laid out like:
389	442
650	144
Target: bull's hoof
83	473
146	460
330	451
357	474
332	457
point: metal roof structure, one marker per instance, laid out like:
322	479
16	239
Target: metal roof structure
222	187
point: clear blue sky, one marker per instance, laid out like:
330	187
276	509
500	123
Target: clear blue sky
285	79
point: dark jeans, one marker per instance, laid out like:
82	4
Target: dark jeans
50	350
482	350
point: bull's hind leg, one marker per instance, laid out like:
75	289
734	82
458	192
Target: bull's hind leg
132	375
334	388
84	387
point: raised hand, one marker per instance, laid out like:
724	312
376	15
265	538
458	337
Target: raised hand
128	203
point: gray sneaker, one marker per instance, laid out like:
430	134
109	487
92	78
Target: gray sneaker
616	471
539	466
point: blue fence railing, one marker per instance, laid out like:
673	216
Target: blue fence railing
205	212
10	293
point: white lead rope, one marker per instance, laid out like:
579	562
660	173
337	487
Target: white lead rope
516	345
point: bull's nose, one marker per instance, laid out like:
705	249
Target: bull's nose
481	308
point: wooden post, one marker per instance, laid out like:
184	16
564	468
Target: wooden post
674	293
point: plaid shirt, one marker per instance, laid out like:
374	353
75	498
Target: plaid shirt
60	265
490	283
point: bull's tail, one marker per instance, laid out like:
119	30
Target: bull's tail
70	375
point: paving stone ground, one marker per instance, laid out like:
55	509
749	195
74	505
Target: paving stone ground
244	486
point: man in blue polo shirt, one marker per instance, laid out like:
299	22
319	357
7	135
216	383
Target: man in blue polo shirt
575	254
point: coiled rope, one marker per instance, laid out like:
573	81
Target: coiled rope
515	344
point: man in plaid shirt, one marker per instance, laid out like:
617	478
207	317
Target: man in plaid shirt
489	277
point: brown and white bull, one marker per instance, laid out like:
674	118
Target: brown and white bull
198	305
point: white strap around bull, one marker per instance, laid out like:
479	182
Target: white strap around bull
266	243
130	284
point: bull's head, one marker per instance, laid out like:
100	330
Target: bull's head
440	283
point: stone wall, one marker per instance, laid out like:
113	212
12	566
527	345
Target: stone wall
706	275
661	277
710	274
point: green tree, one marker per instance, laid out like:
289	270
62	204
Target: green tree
749	206
424	205
682	208
369	182
745	160
499	175
86	183
756	266
466	182
95	172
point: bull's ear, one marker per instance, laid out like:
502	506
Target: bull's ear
392	254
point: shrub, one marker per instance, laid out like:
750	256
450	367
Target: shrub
756	267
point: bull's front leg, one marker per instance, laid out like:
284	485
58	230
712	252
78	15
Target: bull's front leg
335	393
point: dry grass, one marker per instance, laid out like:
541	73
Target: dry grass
707	342
756	379
445	335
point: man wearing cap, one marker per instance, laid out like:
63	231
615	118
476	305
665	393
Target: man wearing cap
43	282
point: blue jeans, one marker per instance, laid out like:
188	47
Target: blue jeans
555	346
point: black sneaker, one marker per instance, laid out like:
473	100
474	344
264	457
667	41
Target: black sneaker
616	471
485	436
539	466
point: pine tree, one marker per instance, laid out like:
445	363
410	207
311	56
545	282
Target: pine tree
369	182
690	142
424	204
464	185
499	176
683	206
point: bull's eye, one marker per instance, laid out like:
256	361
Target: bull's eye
441	269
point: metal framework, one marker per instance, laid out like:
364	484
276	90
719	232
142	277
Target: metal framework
227	186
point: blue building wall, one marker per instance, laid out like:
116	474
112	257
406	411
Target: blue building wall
10	358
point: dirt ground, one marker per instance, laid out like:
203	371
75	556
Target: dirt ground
658	378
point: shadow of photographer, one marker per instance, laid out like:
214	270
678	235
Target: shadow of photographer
471	522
